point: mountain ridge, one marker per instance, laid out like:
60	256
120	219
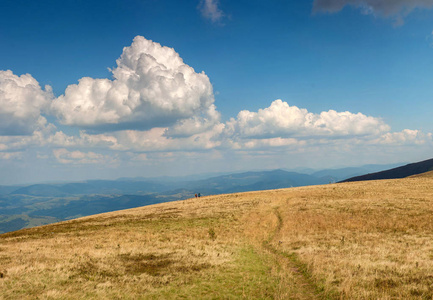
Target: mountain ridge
37	204
398	172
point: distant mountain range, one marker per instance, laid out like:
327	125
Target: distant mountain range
399	172
343	173
38	204
106	187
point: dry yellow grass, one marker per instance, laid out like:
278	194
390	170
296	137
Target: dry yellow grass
366	240
361	240
423	175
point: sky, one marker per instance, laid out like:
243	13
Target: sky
125	88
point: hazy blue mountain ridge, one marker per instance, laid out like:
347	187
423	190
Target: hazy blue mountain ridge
399	172
38	204
335	175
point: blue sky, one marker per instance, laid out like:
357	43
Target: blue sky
354	79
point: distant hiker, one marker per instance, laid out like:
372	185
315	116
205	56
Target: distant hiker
196	195
199	195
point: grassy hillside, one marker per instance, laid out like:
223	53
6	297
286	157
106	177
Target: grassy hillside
358	240
39	204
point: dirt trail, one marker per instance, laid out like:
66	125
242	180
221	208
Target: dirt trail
306	288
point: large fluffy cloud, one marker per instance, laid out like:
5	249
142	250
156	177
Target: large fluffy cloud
21	102
387	8
277	126
152	87
281	120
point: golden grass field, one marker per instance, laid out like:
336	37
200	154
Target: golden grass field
360	240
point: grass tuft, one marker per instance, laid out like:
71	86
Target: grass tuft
212	234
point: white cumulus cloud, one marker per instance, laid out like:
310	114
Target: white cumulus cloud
406	137
152	87
284	121
21	102
103	141
157	140
39	138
